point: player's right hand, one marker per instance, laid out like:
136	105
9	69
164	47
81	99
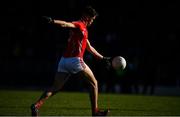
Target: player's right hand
107	62
48	19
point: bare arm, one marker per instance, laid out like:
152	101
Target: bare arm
64	24
93	51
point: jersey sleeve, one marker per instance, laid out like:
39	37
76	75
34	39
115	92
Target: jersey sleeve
77	24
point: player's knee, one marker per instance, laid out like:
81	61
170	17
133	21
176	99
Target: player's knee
95	84
48	94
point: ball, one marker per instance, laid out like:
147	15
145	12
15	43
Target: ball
118	63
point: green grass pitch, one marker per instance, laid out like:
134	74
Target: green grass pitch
17	103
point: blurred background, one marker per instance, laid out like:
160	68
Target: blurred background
144	32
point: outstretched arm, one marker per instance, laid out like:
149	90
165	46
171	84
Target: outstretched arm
64	24
59	22
93	51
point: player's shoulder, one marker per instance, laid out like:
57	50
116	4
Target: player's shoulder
79	24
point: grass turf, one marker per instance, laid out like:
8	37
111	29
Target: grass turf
17	103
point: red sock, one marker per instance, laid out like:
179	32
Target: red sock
39	104
41	100
96	110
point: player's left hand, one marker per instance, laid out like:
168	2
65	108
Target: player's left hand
48	19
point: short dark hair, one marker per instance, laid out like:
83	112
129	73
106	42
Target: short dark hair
89	11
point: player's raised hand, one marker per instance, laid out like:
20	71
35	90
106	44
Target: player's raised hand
48	19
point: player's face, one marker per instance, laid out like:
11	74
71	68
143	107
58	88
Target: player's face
90	20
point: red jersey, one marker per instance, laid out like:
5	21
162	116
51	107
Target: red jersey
77	40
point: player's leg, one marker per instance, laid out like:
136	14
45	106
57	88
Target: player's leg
89	77
59	81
